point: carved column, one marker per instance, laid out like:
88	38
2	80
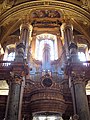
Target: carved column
67	35
26	32
73	59
15	90
18	77
82	108
76	76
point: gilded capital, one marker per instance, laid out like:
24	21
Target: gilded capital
66	25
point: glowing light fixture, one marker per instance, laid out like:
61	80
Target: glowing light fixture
49	39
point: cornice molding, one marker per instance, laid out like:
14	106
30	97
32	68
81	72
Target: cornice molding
28	7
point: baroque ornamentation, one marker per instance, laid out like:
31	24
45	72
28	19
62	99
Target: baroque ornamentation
46	13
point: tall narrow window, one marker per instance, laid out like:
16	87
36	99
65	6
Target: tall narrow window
82	52
81	56
11	56
49	39
9	52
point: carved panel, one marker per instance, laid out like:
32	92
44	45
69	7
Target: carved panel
46	13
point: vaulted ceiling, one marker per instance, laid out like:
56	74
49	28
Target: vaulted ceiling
12	13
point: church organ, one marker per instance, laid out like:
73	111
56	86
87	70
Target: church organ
44	60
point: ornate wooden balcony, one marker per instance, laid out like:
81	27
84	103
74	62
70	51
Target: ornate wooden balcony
7	67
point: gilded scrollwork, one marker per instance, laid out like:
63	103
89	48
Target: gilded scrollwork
86	4
7	4
46	13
